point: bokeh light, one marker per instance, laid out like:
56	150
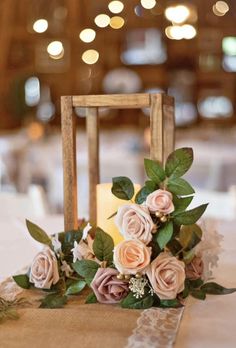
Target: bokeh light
87	35
117	22
90	56
177	14
180	32
55	49
102	20
229	45
40	26
148	4
116	6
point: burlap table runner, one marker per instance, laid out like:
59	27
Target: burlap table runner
80	325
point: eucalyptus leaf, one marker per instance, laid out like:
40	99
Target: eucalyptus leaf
132	302
37	233
91	298
54	301
22	280
216	289
76	287
164	234
122	187
179	162
189	217
154	171
86	269
103	246
180	186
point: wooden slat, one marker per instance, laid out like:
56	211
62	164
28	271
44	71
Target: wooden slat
116	101
69	163
169	127
156	127
93	157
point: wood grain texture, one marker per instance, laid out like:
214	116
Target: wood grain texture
117	101
92	124
68	128
169	128
156	127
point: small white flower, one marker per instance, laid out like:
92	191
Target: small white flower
83	250
56	244
137	286
86	231
76	252
66	269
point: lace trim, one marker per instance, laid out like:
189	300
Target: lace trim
156	328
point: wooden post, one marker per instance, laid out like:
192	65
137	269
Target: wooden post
69	163
92	123
156	127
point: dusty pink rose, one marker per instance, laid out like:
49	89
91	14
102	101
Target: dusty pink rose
131	257
194	269
135	222
160	201
44	269
166	275
106	286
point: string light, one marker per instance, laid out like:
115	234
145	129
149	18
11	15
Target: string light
177	14
87	35
55	50
117	22
148	4
40	26
102	20
116	6
90	56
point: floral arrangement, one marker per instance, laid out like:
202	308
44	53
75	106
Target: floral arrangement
163	258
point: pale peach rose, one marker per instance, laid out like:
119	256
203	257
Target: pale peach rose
194	269
160	201
44	269
134	222
166	275
131	257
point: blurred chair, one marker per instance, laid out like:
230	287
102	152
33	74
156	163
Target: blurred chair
222	205
32	204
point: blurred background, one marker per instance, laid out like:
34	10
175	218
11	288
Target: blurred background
71	47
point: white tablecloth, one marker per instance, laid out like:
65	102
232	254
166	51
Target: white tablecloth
205	324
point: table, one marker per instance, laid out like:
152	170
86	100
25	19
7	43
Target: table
205	324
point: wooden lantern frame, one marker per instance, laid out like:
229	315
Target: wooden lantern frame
162	128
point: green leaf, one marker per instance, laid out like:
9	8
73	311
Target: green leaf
189	217
180	186
151	185
216	289
199	294
132	302
164	234
154	171
174	246
91	298
142	195
181	203
103	246
190	236
67	240
22	280
86	269
196	283
37	233
186	290
53	301
76	287
122	187
175	303
188	256
112	215
179	162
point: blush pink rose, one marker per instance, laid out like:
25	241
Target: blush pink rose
134	222
166	275
160	201
194	269
106	286
44	269
131	257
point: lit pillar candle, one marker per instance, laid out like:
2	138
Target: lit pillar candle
108	204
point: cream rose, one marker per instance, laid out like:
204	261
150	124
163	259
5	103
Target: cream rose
44	269
135	222
166	275
160	201
131	257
